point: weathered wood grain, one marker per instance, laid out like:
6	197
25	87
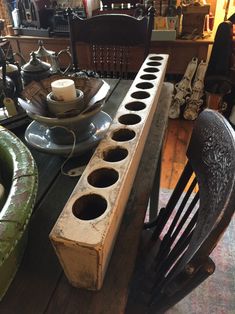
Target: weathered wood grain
84	234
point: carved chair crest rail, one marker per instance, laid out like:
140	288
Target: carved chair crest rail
110	38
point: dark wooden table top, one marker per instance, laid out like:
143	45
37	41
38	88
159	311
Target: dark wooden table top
40	285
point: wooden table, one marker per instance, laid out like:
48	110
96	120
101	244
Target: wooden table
40	285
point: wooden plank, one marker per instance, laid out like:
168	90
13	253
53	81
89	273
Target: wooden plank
113	295
169	153
181	144
177	168
90	239
174	158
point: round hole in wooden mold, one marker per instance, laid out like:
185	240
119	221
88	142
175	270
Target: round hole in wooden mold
135	106
89	206
140	95
129	119
156	58
115	154
103	177
151	70
148	77
154	64
144	85
123	135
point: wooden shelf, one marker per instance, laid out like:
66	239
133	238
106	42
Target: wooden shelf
180	51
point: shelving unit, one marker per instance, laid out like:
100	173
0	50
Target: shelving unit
180	51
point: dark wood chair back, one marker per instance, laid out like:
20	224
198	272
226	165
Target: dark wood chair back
111	39
197	214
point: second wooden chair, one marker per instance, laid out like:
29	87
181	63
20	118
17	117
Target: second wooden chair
175	253
114	45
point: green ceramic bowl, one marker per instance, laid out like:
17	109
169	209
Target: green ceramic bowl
20	179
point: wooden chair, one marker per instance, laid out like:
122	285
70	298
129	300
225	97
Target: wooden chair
118	43
168	269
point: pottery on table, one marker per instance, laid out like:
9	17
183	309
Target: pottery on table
62	128
81	124
20	179
43	139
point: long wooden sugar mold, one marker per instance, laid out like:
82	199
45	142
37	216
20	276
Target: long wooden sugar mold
85	232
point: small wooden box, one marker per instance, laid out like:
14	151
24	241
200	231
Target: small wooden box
85	232
194	19
195	9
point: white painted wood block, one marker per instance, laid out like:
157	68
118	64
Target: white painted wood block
85	232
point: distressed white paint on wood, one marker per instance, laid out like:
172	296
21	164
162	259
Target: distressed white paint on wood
84	246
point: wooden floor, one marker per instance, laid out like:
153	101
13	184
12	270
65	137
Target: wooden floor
174	153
